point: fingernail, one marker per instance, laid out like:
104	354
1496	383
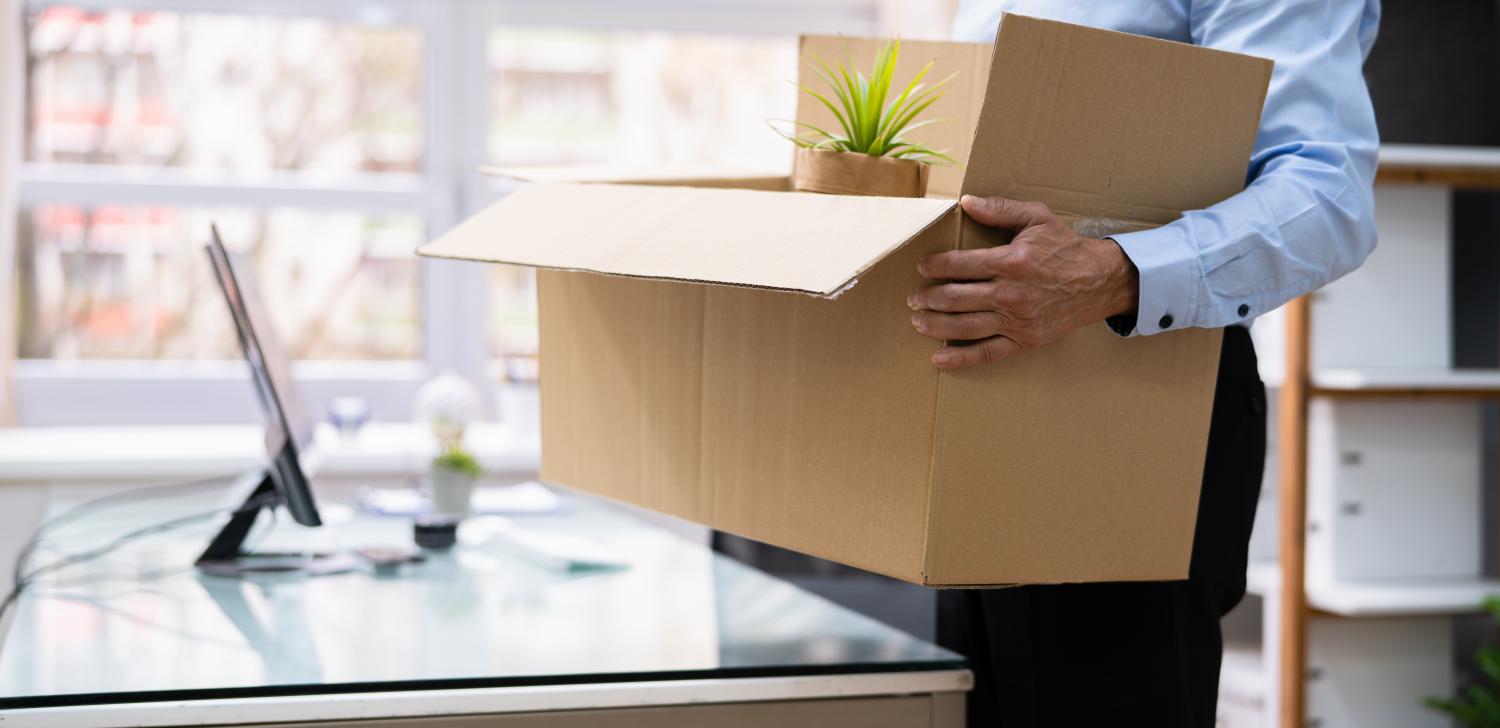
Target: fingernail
916	320
942	357
911	301
966	199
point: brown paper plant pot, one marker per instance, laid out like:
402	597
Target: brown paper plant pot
853	173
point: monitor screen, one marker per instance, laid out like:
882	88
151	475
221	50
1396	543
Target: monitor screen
288	431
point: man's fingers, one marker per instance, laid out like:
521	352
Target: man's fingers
1004	212
952	298
963	265
958	326
990	350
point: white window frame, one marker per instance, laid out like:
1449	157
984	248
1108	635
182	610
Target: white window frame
454	295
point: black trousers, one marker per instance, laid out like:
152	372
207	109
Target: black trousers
1144	653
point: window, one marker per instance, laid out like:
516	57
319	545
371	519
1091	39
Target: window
328	140
130	282
240	93
638	98
629	99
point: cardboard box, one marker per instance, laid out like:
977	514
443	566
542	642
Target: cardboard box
744	358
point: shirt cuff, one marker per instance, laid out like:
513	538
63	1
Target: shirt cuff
1168	266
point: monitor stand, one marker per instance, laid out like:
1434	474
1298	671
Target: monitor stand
226	554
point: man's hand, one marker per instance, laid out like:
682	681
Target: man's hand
1011	298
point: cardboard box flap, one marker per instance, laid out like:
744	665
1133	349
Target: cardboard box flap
1070	119
815	244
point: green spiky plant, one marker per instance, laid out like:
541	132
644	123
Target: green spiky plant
1477	706
869	123
459	460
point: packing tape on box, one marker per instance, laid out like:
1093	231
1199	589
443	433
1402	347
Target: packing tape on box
1101	227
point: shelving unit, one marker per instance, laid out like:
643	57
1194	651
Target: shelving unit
1290	600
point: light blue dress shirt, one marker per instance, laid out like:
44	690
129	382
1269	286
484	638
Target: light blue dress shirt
1306	216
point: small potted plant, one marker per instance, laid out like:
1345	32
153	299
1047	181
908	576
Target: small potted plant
452	479
1478	705
869	154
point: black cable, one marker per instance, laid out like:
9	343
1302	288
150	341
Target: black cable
88	580
25	580
83	509
21	580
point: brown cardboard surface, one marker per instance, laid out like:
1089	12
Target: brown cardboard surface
791	241
818	414
627	424
1073	459
1108	124
819	425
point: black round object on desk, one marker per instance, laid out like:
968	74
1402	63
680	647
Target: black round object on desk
435	533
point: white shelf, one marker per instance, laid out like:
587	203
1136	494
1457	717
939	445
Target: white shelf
1359	380
1243	677
58	454
1404	598
1449	157
1263	578
1402	378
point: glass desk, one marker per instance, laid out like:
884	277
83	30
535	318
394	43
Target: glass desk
478	630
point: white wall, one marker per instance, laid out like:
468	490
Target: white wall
918	19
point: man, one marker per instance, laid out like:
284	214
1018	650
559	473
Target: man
1149	653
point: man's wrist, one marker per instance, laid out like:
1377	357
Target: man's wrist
1123	286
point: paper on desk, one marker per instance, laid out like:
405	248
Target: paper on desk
526	498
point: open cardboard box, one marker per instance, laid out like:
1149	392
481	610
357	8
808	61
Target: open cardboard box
744	358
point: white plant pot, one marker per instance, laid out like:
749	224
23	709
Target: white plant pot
451	491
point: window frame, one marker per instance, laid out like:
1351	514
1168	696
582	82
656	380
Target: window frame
448	189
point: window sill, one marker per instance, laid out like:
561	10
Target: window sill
72	454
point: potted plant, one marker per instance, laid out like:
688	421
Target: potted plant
451	480
870	153
1478	706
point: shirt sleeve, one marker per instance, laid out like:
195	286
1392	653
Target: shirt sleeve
1307	215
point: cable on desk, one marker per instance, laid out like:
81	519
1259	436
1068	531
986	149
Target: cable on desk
134	495
59	587
20	580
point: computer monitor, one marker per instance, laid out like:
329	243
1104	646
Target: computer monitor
284	481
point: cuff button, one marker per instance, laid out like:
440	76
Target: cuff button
1165	322
1244	310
